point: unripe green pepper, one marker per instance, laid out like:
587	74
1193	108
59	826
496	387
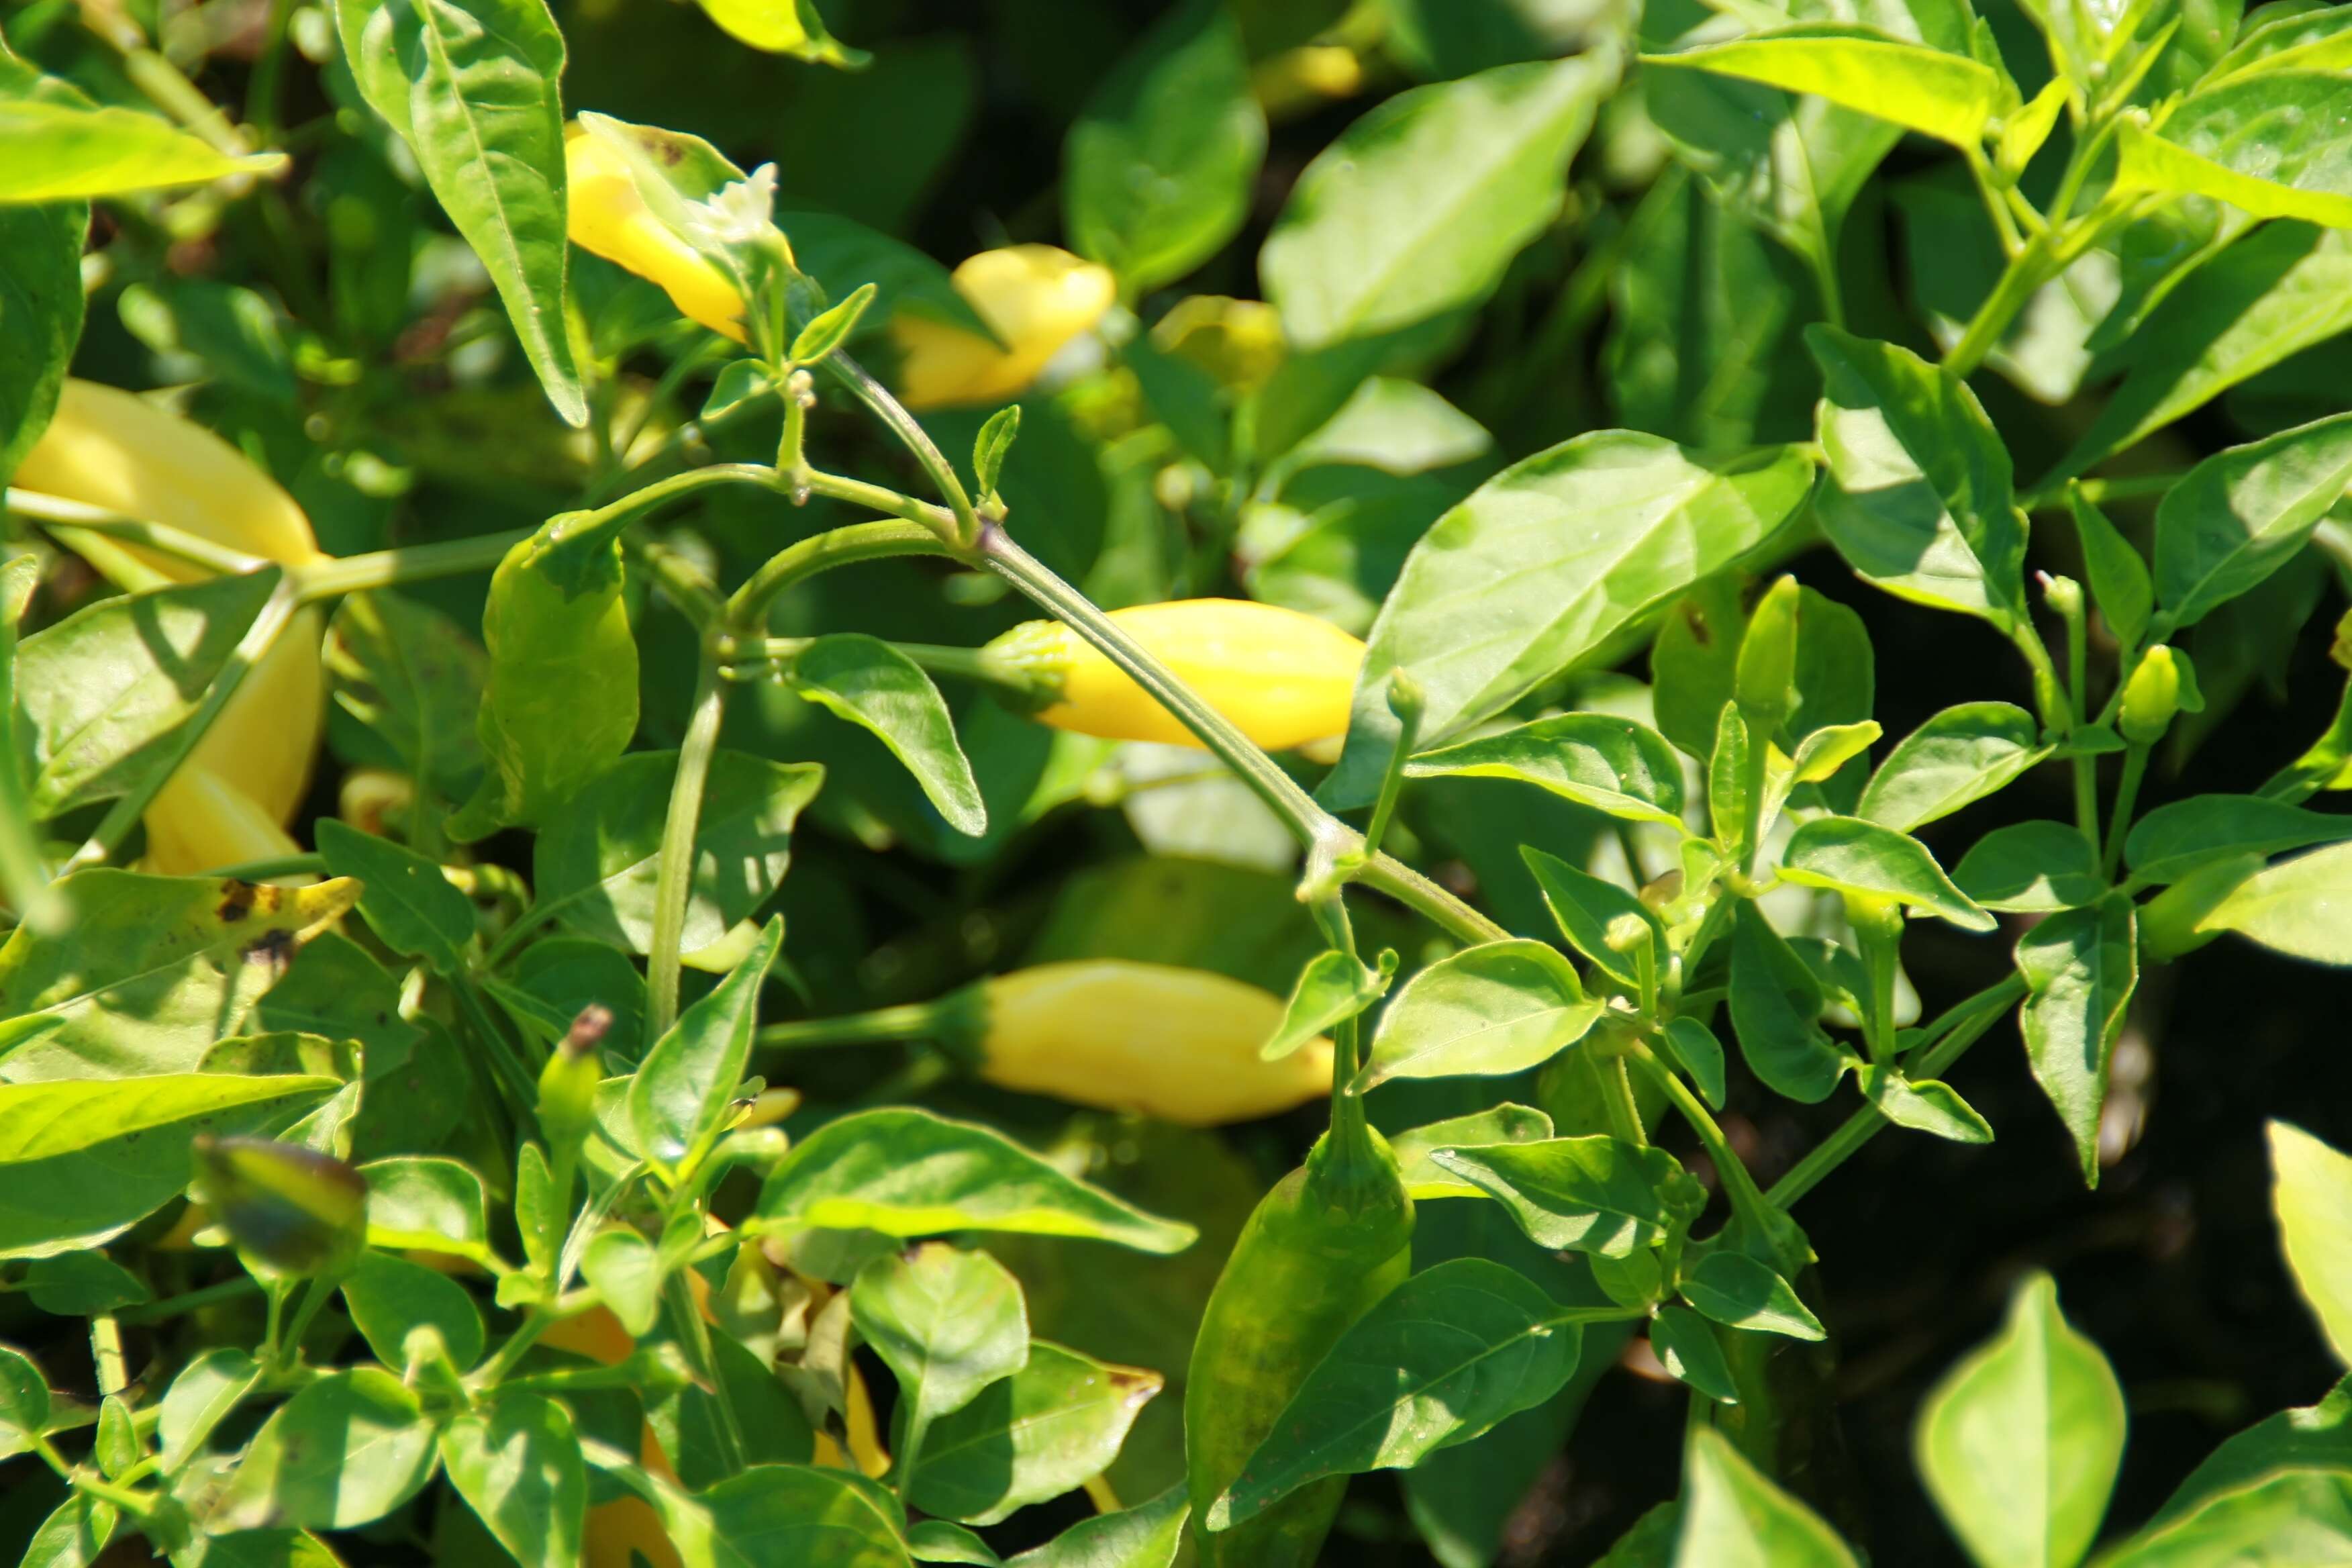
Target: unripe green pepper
1331	1238
560	702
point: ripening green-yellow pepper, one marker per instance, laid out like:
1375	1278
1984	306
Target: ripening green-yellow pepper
1035	297
1178	1044
105	447
1282	678
610	219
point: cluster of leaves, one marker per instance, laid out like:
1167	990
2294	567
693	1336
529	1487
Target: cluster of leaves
405	1202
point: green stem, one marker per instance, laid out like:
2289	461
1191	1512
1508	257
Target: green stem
1959	1027
2084	766
676	874
264	870
2119	818
694	1342
910	1021
520	1084
2025	273
71	517
378	568
189	1301
681	581
747	610
1995	203
493	1373
2125	487
124	814
1739	1186
916	440
1617	1099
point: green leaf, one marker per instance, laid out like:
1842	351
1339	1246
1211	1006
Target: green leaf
1052	1427
412	678
405	900
2295	906
1857	856
387	1296
1333	988
2271	147
1439	1360
2290	1516
23	1402
1734	1518
1425	1178
1419	206
1587	909
597	865
2031	866
1145	1536
739	381
874	686
2311	1192
1496	1008
1736	1289
2241	515
518	1468
1591	1194
1693	660
2020	1442
41	317
1400	427
1686	1347
1948	97
1611	764
1159	167
344	1451
626	1271
2181	837
936	1541
1560	553
907	1172
472	87
1776	1009
74	1535
103	695
1924	1105
1920	498
994	445
423	1201
680	1093
2314	1436
55	150
832	327
82	1285
1693	1048
2280	290
2120	582
202	1396
1961	755
82	1160
2080	968
946	1322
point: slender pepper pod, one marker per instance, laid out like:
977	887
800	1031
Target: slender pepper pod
1034	298
1178	1044
1284	678
1331	1238
609	218
108	448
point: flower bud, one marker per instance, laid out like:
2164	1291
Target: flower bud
567	1085
2163	684
294	1210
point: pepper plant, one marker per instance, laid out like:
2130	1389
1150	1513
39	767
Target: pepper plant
592	621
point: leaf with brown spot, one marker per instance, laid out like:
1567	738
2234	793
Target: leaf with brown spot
153	971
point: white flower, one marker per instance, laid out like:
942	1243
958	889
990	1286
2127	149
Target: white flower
738	213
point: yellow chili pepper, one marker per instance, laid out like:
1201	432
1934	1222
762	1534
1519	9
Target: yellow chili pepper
1283	677
1178	1044
109	448
610	219
1035	297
